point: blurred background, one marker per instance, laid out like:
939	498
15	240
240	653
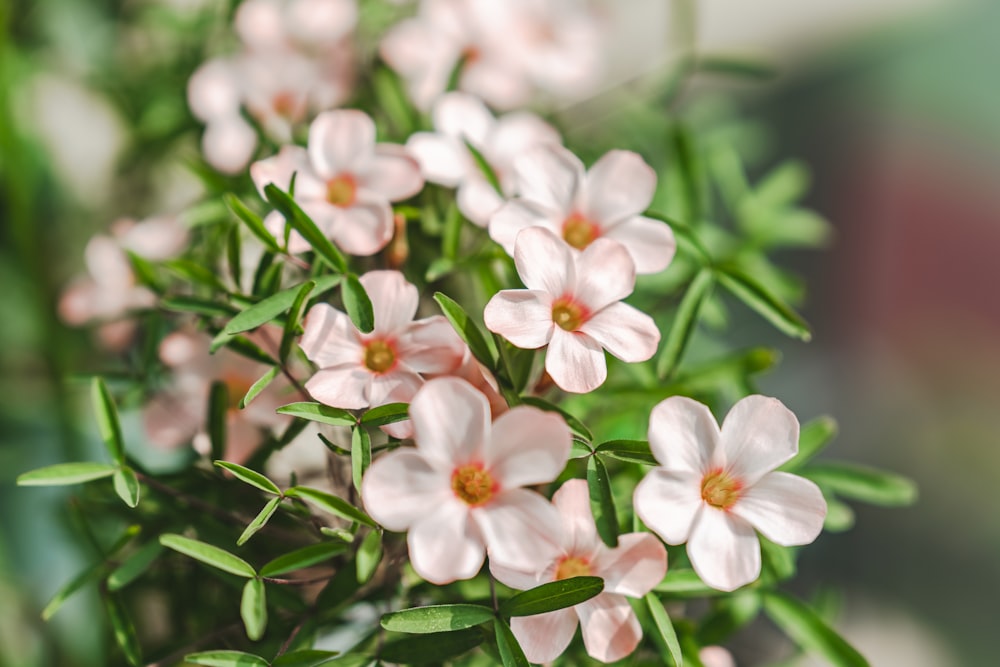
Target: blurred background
895	108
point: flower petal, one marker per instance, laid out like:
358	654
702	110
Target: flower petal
575	361
443	160
365	228
446	545
400	487
463	117
431	346
520	580
330	338
544	637
635	566
393	173
524	317
394	301
397	386
683	434
544	262
788	509
669	502
758	435
579	534
340	387
528	446
724	550
451	421
514	134
278	169
550	176
517	214
619	185
517	526
228	144
213	91
340	140
605	274
650	242
610	628
624	331
477	200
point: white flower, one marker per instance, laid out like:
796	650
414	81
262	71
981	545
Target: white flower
715	487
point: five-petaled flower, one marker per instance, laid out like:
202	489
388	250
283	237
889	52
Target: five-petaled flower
459	491
610	628
714	487
573	305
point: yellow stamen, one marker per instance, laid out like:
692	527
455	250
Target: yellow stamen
572	566
579	232
720	490
379	356
473	485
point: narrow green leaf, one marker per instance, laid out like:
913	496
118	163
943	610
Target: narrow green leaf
191	304
813	437
126	485
251	477
777	560
389	413
259	386
686	237
437	618
452	234
196	273
218	410
665	627
226	659
574	424
318	412
361	454
208	554
633	451
234	247
244	347
552	596
267	309
123	630
486	168
145	272
134	566
684	324
602	502
292	321
808	631
304	225
253	609
393	100
306	658
766	304
511	653
107	420
685	583
66	473
92	573
259	521
737	67
331	504
467	330
357	303
431	648
839	516
302	558
368	557
252	221
869	485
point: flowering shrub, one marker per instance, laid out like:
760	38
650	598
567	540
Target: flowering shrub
382	371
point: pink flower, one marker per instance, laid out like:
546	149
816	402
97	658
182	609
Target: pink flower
359	370
715	487
610	628
344	181
445	159
459	491
581	206
573	305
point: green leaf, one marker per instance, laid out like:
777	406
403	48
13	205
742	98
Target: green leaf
684	324
485	168
266	310
252	221
259	386
437	618
226	659
467	330
304	225
452	234
318	412
331	504
574	424
66	473
686	237
389	413
234	247
368	557
665	627
134	566
253	609
808	631
511	654
302	558
244	347
813	437
92	573
218	410
357	304
208	554
251	477
107	420
126	485
839	516
552	596
737	67
868	485
435	647
633	451
259	521
292	321
361	455
602	502
306	658
750	292
123	630
191	304
196	273
685	583
393	100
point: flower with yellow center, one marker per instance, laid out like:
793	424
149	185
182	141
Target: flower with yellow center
380	356
473	485
342	190
578	231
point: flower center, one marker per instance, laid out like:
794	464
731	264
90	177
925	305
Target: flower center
473	485
341	190
572	566
579	232
720	490
379	356
568	314
285	104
